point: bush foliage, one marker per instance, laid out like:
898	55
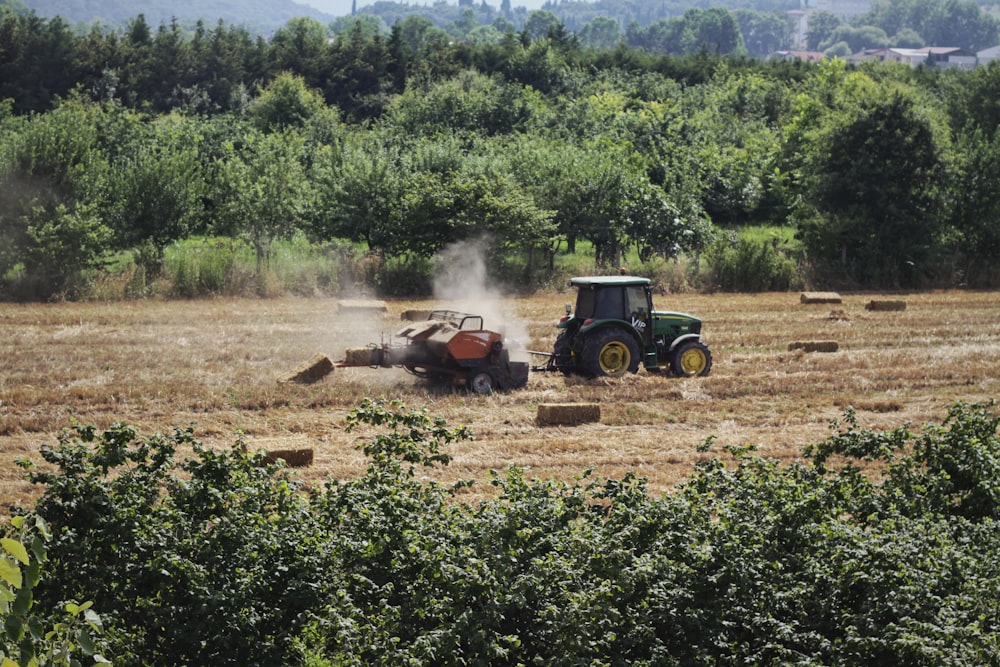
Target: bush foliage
222	559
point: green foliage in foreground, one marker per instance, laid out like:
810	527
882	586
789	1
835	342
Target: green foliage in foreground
221	559
27	639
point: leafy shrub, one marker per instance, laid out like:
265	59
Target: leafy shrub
750	266
220	559
27	636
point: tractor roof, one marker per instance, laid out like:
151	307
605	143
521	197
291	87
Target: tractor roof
607	281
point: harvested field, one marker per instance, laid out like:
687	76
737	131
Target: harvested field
215	364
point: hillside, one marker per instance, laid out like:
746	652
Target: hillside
260	14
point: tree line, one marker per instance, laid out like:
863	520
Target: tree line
406	143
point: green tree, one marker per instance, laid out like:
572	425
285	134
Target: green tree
157	189
975	209
286	102
299	47
541	24
821	27
359	190
764	32
265	194
52	174
371	26
714	30
868	230
601	33
856	38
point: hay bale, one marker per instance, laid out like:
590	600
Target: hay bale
414	315
360	356
556	414
293	458
346	306
814	346
821	297
885	305
310	372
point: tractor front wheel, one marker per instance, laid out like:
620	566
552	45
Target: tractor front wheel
611	352
691	359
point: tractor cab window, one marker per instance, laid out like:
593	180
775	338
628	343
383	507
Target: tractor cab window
610	304
600	304
585	301
638	302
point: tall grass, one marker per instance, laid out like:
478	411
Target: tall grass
213	266
754	259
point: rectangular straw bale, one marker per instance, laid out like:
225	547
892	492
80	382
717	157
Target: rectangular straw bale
414	315
556	414
361	306
885	305
814	346
310	372
821	297
294	458
359	356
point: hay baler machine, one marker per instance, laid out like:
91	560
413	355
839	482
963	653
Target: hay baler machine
448	347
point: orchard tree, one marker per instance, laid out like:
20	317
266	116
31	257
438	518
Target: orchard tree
53	174
157	189
360	189
265	194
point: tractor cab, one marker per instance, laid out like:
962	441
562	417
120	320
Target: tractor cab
617	298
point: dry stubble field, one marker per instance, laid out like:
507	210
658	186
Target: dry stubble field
215	364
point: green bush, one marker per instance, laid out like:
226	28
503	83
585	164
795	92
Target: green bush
742	265
220	559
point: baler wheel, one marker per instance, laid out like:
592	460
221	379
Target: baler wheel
481	382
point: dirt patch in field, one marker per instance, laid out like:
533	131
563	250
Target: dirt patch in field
215	364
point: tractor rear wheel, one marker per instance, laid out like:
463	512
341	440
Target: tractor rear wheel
611	352
691	359
481	382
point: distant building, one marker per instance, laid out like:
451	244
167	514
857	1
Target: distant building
934	56
986	56
912	57
949	56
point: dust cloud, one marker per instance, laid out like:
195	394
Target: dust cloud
461	282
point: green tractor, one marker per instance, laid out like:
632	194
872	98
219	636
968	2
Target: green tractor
614	328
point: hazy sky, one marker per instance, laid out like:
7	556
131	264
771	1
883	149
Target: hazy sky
343	7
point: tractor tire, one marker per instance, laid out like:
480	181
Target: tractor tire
562	353
612	352
691	359
481	382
